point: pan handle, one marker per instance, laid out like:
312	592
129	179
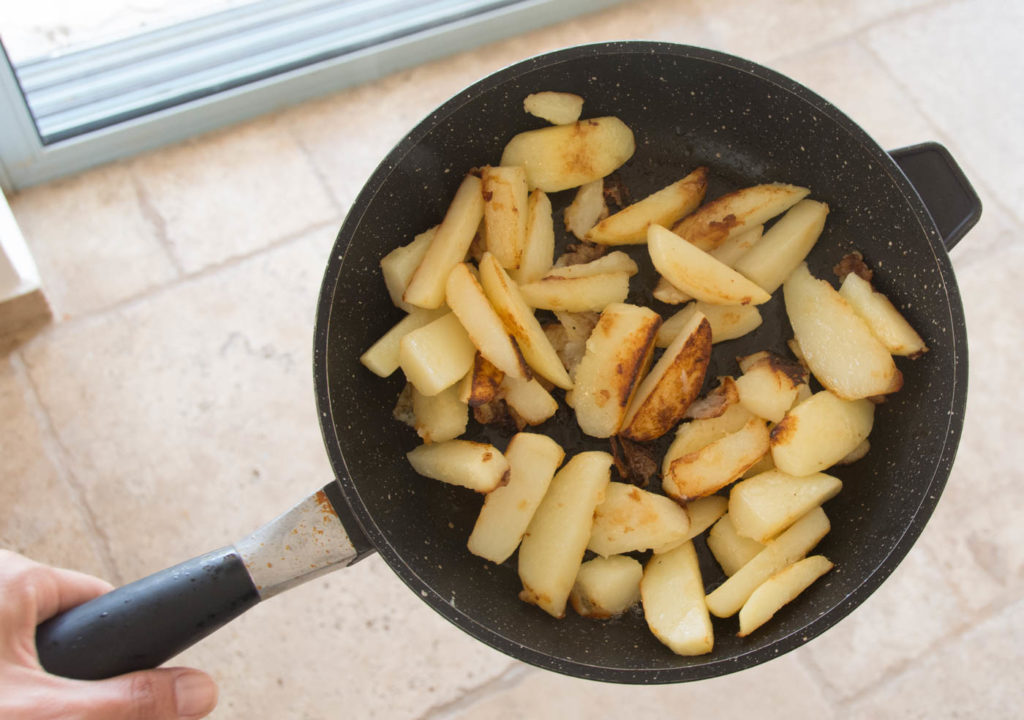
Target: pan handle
145	623
942	185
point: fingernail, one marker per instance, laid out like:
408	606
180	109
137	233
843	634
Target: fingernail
195	694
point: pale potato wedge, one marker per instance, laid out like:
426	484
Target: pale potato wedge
618	354
698	434
672	385
586	209
576	294
631	519
505	213
737	212
763	465
704	512
439	417
552	548
733	248
764	505
507	511
672	593
885	321
448	247
768	387
539	243
529	399
482	384
558	108
803	392
837	345
436	355
398	266
473	465
669	294
728	322
781	588
519	320
731	550
567	156
819	432
856	454
468	301
666	206
711	468
784	246
613	262
606	587
787	548
381	358
695	272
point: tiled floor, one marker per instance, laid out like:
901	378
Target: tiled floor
176	375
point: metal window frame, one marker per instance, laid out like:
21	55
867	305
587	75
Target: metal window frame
25	159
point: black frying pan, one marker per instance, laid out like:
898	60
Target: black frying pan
687	107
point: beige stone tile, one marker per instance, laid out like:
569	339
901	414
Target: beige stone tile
961	64
40	516
92	240
232	192
975	675
781	688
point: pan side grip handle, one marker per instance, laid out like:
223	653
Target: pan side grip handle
942	185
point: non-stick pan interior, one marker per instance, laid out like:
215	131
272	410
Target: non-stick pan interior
687	107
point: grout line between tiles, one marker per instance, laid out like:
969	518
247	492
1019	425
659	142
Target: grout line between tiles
510	678
157	221
59	456
317	172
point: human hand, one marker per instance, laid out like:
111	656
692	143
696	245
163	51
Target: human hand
31	593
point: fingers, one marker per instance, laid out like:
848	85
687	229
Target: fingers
33	592
164	694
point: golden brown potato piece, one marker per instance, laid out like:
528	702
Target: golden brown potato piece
552	549
737	212
698	434
837	345
529	399
505	213
769	386
468	301
672	385
398	266
482	384
440	417
558	108
606	587
436	355
784	246
885	321
714	466
728	322
567	156
629	225
539	243
473	465
781	588
698	274
717	401
381	358
764	505
618	353
448	247
819	432
576	294
672	593
586	209
669	294
613	262
632	519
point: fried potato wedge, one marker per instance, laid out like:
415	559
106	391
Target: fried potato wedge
787	548
519	320
576	294
482	384
734	247
666	206
436	355
467	299
698	434
586	209
618	354
704	512
695	272
672	384
819	432
473	465
552	548
768	387
439	417
529	399
714	466
382	358
448	247
763	465
613	262
539	243
780	589
737	212
731	550
558	108
398	266
884	320
837	345
507	510
567	156
505	213
856	454
784	246
728	322
669	294
764	505
632	519
672	594
606	587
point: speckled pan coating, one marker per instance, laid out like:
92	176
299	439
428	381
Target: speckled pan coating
687	107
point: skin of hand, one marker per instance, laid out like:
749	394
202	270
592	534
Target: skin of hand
31	593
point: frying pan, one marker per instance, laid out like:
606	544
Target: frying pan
687	107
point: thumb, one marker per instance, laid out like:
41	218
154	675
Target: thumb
164	694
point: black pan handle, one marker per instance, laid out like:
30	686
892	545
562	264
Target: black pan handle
145	623
947	193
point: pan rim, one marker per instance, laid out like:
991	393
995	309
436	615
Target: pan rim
711	667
